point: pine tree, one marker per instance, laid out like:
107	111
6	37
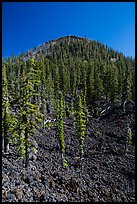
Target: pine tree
63	78
98	90
5	110
113	83
72	79
42	87
133	84
83	79
120	76
56	80
90	85
60	131
28	111
80	123
126	88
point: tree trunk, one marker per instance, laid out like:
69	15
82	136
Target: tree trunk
6	149
124	104
2	143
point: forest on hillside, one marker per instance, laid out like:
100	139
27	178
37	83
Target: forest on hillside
69	79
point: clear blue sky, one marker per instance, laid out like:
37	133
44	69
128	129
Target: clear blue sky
26	25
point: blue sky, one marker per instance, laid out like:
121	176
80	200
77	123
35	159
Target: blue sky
26	25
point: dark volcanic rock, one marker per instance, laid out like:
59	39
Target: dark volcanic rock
105	174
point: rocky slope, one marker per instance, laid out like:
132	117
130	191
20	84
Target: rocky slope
104	174
47	47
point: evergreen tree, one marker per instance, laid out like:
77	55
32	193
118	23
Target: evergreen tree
126	86
5	110
80	123
73	79
113	83
28	111
60	131
90	85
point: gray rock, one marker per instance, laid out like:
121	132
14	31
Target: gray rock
11	197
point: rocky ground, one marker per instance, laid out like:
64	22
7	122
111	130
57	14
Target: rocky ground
104	174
